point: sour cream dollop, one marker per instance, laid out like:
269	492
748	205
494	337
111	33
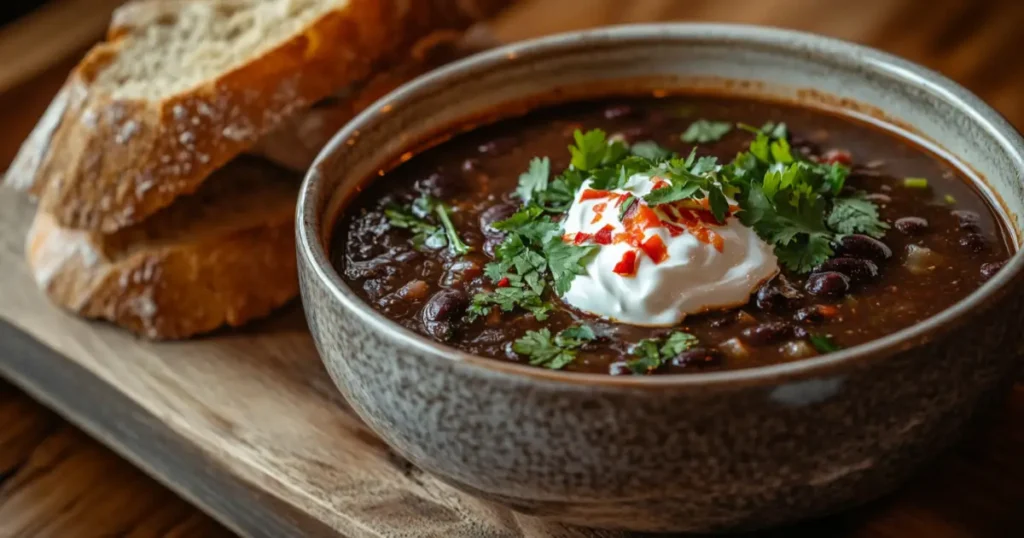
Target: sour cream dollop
693	265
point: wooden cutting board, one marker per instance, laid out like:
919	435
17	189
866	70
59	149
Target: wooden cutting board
247	426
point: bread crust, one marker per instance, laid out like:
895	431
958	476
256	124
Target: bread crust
109	163
162	280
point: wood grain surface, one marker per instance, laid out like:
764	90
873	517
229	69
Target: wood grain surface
246	424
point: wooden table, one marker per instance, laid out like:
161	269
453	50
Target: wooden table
54	481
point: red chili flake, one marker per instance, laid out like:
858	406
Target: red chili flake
685	215
673	230
604	236
626	266
593	194
503	283
582	238
620	198
716	240
837	156
598	210
655	249
707	217
644	217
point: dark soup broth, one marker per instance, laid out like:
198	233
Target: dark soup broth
675	235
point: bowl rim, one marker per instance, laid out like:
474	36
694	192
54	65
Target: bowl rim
314	254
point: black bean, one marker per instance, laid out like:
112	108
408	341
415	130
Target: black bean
862	246
440	330
698	356
989	270
498	145
768	333
858	270
618	111
445	305
828	284
911	225
777	294
879	198
967	220
463	270
495	213
619	368
974	242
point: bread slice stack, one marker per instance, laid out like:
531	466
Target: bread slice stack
167	167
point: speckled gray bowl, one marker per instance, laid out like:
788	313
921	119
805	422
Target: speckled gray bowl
705	452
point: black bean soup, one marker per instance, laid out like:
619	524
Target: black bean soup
938	241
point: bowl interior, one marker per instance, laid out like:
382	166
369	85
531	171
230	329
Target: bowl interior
735	60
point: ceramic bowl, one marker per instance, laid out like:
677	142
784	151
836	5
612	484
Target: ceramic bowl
703	452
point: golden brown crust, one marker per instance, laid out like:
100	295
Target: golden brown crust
122	160
232	263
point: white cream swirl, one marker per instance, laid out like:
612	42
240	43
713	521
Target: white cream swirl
697	272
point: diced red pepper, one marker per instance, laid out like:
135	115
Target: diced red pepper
660	184
828	310
604	236
707	217
655	249
837	156
626	266
673	230
503	283
593	194
641	218
598	212
620	198
581	238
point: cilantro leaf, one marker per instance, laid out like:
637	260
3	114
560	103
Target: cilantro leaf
534	180
626	205
426	234
718	203
590	149
855	214
804	254
704	131
677	190
566	261
824	343
775	130
677	343
508	299
553	352
652	353
651	150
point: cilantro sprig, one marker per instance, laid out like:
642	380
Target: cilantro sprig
418	218
704	131
554	352
652	353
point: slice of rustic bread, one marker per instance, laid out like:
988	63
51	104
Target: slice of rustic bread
222	255
181	87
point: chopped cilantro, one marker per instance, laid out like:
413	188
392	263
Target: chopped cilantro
626	205
653	353
950	199
704	131
553	352
414	218
534	180
593	149
770	129
824	343
650	149
508	299
855	214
